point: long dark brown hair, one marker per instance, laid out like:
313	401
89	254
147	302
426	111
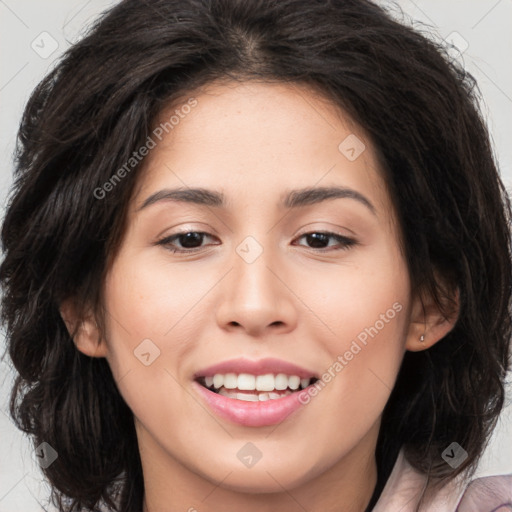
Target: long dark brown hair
97	106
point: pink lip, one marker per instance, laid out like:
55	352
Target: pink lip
250	414
260	367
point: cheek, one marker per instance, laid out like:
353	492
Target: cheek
152	323
363	298
148	333
144	309
363	324
149	297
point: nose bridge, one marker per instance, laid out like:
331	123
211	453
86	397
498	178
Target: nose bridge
253	297
254	284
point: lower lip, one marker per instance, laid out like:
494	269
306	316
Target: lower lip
250	414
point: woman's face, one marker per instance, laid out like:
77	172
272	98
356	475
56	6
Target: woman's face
263	282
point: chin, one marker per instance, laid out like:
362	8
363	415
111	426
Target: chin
261	482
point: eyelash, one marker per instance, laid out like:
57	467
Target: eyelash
345	242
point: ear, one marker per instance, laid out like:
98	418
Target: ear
84	331
428	321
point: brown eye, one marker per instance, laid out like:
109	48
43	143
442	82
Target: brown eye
320	240
189	241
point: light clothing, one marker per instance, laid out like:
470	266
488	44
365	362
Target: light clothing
404	485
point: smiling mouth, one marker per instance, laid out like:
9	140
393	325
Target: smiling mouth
255	388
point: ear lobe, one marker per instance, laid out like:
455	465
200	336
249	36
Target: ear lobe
428	320
83	331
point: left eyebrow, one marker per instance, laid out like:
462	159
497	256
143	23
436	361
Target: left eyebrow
291	199
312	195
201	196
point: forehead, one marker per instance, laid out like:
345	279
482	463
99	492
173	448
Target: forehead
260	139
285	117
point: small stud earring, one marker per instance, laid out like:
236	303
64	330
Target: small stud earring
422	338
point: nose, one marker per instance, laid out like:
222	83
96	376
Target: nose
256	298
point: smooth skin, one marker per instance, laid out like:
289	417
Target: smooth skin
297	301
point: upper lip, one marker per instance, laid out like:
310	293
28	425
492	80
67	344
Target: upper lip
255	367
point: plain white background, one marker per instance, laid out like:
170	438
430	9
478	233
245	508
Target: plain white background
29	31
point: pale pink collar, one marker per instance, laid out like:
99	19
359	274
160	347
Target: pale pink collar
403	489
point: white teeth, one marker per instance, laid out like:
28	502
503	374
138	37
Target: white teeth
218	380
265	382
252	397
293	382
281	381
248	397
248	382
230	381
225	392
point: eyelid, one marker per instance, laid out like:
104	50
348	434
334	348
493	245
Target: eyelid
345	241
166	240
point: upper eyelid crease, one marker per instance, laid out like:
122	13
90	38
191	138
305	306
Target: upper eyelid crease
291	199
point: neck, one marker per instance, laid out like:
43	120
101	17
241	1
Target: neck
347	484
